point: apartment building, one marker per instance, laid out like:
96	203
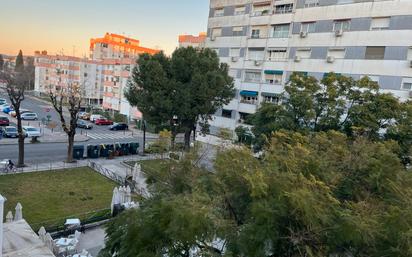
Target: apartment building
193	41
265	41
103	77
54	72
114	46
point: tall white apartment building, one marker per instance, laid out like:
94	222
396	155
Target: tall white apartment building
265	41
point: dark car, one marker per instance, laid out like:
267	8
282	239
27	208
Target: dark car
4	121
83	124
119	126
9	131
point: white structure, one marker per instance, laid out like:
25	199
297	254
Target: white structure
265	41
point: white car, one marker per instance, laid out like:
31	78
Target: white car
31	131
29	116
95	117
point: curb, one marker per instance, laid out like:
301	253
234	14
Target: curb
43	143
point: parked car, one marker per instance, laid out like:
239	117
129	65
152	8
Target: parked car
4	121
94	117
119	126
103	121
9	131
29	116
8	109
31	131
3	101
4	106
83	124
84	116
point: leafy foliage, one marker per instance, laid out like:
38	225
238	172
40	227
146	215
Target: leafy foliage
340	103
320	194
19	62
181	90
1	62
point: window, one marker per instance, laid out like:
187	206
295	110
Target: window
303	52
233	73
85	74
343	25
410	53
311	3
307	27
227	113
252	76
277	54
271	99
255	33
380	23
345	2
261	9
281	31
375	52
256	54
234	52
337	53
407	84
219	12
237	31
372	78
216	32
259	31
284	8
248	99
243	117
240	10
273	78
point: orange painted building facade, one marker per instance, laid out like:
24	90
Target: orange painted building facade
194	41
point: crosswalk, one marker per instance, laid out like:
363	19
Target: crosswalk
113	135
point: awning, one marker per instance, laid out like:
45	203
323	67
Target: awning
274	72
248	93
270	94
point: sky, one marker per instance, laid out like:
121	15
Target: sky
68	25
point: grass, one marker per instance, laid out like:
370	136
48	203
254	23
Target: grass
48	198
152	168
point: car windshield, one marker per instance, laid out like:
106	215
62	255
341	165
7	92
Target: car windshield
29	114
11	129
3	118
31	129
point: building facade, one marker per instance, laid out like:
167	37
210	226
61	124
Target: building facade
103	77
193	41
265	41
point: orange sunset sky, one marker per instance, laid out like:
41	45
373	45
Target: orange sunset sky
68	25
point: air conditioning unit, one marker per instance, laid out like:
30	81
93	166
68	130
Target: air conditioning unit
330	59
234	59
410	63
297	58
339	33
258	63
303	34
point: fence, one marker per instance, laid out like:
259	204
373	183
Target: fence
106	172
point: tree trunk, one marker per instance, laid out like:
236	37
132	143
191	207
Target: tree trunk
20	162
70	149
188	132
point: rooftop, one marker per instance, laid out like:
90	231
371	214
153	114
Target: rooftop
19	240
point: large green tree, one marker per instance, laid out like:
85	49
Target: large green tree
19	67
316	195
181	90
354	107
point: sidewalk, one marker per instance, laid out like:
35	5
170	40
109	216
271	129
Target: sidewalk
57	137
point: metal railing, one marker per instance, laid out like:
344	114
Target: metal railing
106	172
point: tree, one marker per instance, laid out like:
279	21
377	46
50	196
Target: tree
19	62
180	91
16	84
1	62
335	103
30	71
68	95
320	194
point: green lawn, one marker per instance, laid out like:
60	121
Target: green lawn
152	168
50	197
